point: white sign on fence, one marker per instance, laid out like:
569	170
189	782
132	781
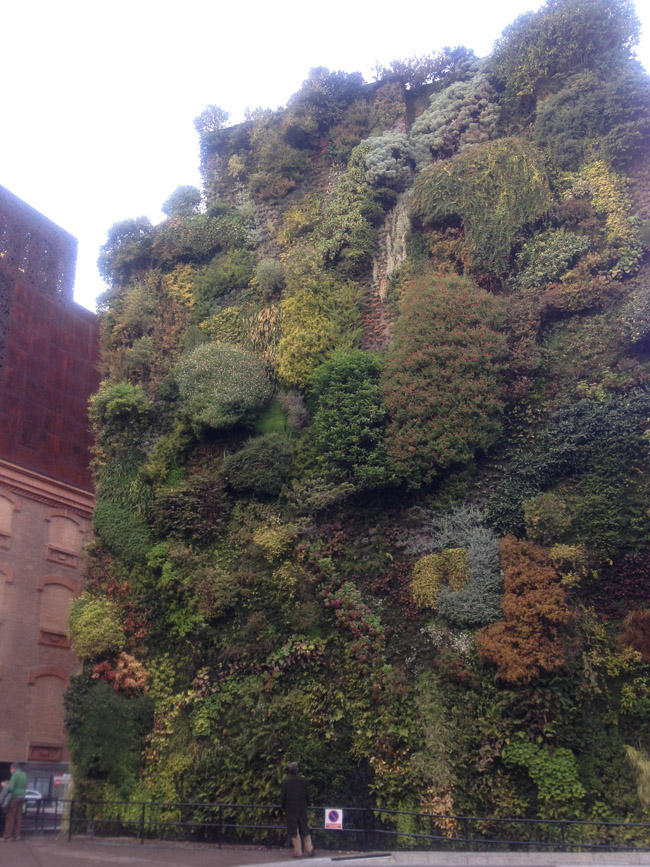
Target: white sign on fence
333	819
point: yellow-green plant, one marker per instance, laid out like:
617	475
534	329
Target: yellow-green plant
431	573
95	627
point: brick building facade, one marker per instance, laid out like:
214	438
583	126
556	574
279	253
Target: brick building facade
48	369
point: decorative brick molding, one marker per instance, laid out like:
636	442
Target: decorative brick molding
73	586
53	639
7	573
45	490
62	557
44	753
46	671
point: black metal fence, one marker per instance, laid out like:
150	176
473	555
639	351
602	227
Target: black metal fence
363	829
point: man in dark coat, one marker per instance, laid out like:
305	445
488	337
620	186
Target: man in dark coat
294	800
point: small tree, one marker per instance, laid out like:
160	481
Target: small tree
183	202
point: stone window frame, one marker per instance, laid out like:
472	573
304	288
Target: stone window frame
57	553
46	636
5	538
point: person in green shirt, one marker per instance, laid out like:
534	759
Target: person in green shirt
17	787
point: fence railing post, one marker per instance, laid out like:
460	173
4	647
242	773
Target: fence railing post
70	820
142	823
220	824
466	832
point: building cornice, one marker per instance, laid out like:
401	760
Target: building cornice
45	490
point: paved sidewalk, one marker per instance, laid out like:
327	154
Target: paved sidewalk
50	852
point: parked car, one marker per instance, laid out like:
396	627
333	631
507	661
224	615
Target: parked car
32	797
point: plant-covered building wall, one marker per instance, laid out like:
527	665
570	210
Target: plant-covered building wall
372	447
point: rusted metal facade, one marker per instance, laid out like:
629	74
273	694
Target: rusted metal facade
48	369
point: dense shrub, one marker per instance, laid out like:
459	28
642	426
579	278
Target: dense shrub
547	256
123	531
127	251
261	467
434	571
564	36
269	275
95	627
554	772
389	160
531	638
183	202
442	383
496	190
609	117
120	413
350	419
564	447
193	511
458	118
636	315
227	272
220	385
197	238
313	325
106	731
349	228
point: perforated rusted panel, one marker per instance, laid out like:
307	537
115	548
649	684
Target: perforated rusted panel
35	250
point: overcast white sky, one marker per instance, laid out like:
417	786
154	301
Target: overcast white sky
99	98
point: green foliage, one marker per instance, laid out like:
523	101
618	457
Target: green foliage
261	467
349	228
547	256
326	95
269	275
220	385
183	202
636	315
496	190
313	325
106	731
226	326
120	413
554	772
228	272
192	511
572	439
563	37
608	117
389	160
459	117
95	627
127	250
197	238
413	73
350	419
442	383
122	530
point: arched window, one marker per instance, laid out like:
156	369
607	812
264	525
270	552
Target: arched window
46	734
57	594
65	539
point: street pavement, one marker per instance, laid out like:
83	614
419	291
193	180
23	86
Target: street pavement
45	851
